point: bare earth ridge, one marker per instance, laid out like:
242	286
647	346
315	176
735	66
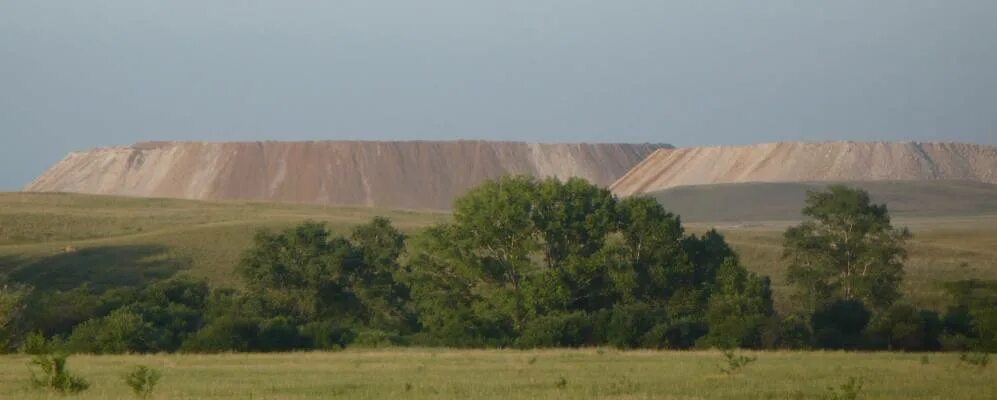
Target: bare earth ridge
415	174
811	162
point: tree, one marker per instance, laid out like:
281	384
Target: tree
303	272
380	244
848	249
496	222
739	305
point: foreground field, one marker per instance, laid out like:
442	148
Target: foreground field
64	240
504	374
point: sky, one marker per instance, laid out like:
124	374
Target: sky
82	74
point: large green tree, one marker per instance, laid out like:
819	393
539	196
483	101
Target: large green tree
846	250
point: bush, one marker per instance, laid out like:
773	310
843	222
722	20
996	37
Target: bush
377	338
277	334
34	343
142	380
120	332
325	335
223	334
557	330
840	325
735	362
903	327
54	375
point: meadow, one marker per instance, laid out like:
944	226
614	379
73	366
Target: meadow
509	374
64	240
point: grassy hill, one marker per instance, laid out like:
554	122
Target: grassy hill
65	240
783	200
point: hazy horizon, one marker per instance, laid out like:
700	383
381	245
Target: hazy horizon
77	75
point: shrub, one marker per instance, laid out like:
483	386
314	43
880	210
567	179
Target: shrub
325	335
223	334
557	330
377	338
277	334
840	325
850	390
120	332
142	380
53	375
976	359
735	362
34	343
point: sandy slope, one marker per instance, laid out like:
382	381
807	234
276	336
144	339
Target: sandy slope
811	162
418	174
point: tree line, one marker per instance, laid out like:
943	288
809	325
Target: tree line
526	263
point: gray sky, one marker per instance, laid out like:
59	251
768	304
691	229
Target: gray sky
79	74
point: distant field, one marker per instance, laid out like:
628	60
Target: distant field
64	240
507	374
783	200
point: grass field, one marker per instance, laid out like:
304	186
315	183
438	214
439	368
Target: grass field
64	240
507	374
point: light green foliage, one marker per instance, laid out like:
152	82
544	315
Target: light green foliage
142	380
848	249
52	374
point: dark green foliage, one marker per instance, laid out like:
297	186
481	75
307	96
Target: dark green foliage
903	327
840	325
142	380
49	372
847	250
559	330
325	335
793	332
555	263
13	304
739	306
971	323
224	334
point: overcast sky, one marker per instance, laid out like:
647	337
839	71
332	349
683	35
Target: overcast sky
79	74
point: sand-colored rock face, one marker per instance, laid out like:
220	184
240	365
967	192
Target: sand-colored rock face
420	174
810	162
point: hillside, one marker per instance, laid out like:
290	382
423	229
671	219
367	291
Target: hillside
771	201
65	240
413	175
811	162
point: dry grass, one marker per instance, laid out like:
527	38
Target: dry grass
506	374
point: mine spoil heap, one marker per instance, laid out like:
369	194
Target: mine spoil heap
811	162
414	174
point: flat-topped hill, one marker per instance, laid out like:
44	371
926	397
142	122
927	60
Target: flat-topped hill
811	162
416	174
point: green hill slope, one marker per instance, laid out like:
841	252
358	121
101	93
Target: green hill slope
783	201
